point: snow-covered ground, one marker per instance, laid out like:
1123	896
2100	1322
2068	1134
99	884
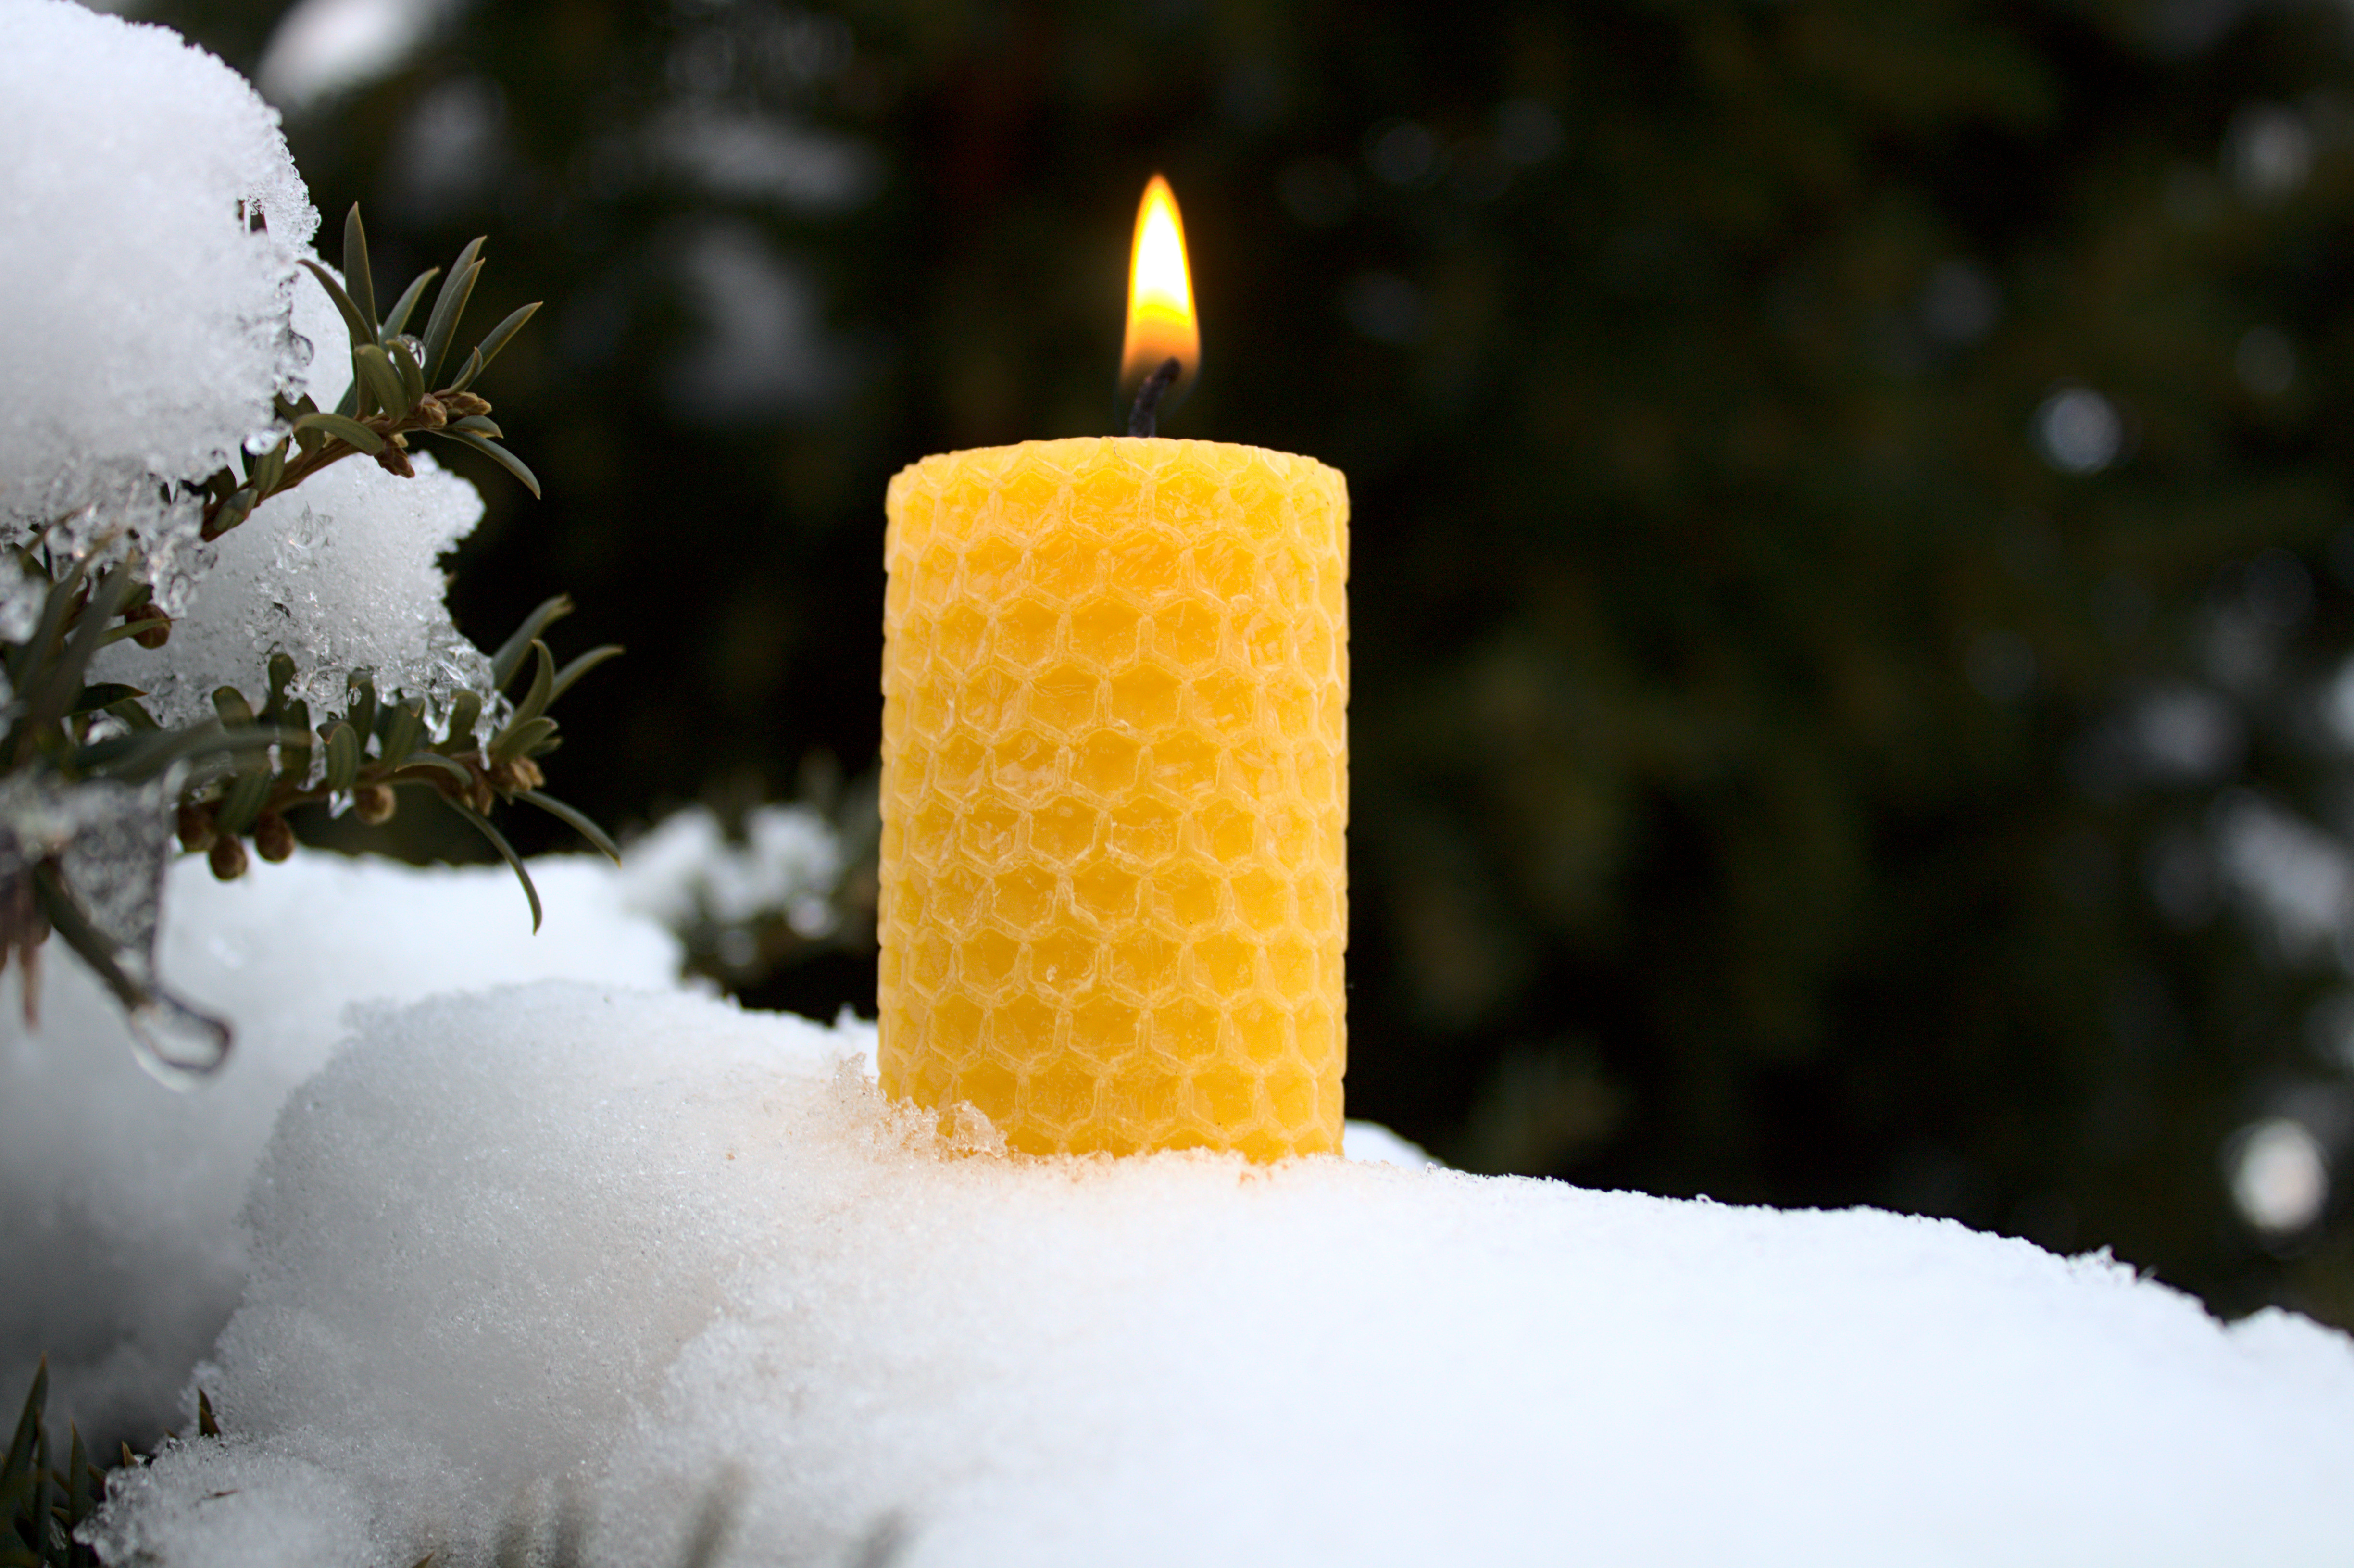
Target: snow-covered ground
601	1259
119	1196
623	1266
122	1195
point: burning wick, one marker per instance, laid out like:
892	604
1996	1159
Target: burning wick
1163	347
1144	415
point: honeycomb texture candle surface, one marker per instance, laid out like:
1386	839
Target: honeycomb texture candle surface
1115	794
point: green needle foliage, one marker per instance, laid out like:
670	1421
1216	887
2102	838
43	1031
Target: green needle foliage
41	1504
388	400
236	776
375	747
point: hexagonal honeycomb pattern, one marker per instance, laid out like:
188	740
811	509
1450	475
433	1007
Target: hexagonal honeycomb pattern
1115	794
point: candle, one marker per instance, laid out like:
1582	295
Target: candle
1115	777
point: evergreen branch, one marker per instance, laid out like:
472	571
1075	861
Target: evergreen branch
249	768
392	395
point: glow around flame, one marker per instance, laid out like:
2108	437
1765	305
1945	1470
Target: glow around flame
1161	321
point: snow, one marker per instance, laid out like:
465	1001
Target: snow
1375	1144
144	326
685	870
568	1260
122	1195
318	324
342	573
760	347
2296	879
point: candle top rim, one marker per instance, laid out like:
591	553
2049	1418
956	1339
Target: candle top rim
1127	446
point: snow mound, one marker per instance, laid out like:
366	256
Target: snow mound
567	1264
144	324
341	575
119	1197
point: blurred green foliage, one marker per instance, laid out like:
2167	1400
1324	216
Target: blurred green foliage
1850	498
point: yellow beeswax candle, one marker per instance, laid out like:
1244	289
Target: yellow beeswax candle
1115	793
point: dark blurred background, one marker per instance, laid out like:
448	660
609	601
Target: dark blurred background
1853	539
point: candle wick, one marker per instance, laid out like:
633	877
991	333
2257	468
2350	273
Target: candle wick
1144	418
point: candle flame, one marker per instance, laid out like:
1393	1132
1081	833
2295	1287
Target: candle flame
1160	325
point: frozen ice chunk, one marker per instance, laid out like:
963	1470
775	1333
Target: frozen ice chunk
341	574
118	1196
109	839
679	1265
147	272
113	867
114	863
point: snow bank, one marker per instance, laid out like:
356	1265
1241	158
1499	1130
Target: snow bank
575	1262
118	1197
144	322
